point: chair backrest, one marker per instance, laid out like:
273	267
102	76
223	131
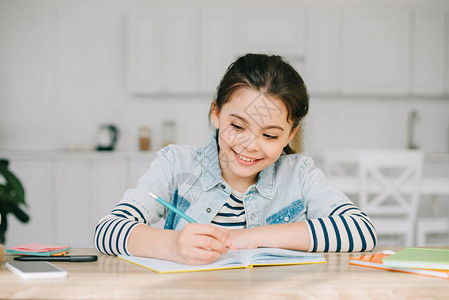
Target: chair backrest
340	162
390	182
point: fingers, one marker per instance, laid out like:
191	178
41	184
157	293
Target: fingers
208	243
217	233
202	243
199	256
208	237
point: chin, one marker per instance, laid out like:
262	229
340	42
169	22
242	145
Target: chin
244	171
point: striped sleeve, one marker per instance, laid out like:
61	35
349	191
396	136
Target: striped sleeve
112	231
346	229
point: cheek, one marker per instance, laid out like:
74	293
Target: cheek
225	140
274	150
230	138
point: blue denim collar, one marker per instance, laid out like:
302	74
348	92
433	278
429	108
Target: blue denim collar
211	172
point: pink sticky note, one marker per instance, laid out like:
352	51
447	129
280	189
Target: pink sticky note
35	247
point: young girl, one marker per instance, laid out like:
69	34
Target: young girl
245	188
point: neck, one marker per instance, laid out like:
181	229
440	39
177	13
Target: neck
238	183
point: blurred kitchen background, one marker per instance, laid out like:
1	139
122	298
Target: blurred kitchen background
377	72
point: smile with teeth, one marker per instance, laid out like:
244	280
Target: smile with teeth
244	158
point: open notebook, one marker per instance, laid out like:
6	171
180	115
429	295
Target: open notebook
232	260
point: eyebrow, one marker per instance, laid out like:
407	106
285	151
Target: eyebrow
266	127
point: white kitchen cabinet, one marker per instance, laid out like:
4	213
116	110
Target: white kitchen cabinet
37	179
428	58
324	51
73	212
162	50
376	55
216	46
67	194
108	183
145	40
175	49
272	30
87	188
181	59
343	49
136	167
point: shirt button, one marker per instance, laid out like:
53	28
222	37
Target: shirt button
208	210
253	216
286	219
222	186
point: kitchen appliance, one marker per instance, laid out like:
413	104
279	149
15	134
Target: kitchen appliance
107	137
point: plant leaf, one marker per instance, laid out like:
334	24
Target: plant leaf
18	212
13	187
4	223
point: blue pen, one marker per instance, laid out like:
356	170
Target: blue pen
172	208
178	212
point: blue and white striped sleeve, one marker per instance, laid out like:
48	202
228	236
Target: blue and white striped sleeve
112	231
347	228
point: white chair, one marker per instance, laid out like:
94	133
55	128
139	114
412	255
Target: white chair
341	168
426	226
340	162
389	190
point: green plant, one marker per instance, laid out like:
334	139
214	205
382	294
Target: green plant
12	195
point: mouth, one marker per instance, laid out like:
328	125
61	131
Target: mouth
245	159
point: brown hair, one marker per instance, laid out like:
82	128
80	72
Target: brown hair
271	75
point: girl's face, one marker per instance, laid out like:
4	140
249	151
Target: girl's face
253	130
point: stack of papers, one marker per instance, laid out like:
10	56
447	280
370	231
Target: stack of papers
38	250
421	261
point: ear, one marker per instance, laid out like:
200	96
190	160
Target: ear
292	134
214	114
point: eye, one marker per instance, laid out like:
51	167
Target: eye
237	127
269	136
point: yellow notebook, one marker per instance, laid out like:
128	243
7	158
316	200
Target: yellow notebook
232	260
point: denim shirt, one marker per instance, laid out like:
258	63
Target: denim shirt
290	190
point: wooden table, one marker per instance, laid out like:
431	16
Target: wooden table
112	278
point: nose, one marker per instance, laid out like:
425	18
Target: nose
252	144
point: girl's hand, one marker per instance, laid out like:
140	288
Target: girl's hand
200	244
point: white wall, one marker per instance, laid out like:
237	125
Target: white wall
376	123
62	74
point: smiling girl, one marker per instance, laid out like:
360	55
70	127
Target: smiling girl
245	187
